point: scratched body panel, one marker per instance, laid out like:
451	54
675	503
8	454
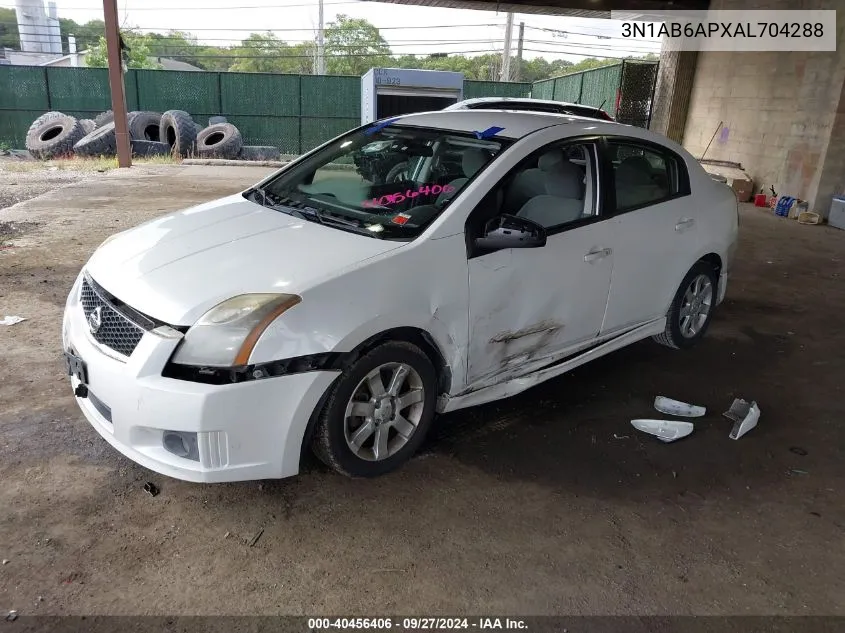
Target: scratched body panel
528	304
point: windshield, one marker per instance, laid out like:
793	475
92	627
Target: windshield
389	183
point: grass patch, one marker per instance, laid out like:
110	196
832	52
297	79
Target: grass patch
79	163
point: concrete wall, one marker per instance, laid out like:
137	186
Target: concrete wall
782	114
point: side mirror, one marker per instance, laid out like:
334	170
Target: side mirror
510	231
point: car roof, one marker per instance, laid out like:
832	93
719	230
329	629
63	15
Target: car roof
515	124
516	100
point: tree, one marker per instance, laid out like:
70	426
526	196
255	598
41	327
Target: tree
9	37
138	53
353	46
266	53
87	35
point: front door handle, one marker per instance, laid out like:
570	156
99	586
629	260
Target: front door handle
684	223
597	254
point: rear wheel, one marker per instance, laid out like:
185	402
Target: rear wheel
692	308
378	412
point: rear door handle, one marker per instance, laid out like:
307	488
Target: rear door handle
597	254
684	223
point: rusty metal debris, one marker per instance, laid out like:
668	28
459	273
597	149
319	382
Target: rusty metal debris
256	537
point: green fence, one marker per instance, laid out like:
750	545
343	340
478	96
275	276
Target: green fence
292	112
623	90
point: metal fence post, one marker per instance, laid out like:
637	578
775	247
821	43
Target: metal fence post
47	89
219	93
299	119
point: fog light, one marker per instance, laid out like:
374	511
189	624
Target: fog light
181	444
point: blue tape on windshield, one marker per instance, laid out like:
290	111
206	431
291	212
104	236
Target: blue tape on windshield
489	132
378	127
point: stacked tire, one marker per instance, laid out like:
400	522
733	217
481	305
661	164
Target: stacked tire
55	134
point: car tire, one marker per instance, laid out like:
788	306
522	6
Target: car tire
142	148
100	142
259	152
178	130
221	140
144	126
214	120
88	125
104	118
396	173
691	310
54	136
404	427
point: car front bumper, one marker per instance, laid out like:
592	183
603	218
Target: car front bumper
245	431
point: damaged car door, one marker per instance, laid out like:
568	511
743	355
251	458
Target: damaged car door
528	303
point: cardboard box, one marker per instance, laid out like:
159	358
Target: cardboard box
735	178
743	188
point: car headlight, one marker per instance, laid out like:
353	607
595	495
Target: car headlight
226	335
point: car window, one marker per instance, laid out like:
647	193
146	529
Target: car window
389	183
554	187
643	175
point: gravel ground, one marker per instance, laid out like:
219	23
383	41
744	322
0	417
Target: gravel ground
23	180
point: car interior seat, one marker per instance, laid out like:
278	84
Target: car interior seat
472	160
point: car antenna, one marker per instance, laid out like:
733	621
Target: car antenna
602	104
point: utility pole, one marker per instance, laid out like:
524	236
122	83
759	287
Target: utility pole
321	51
506	53
118	96
518	75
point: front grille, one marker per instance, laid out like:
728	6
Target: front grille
115	330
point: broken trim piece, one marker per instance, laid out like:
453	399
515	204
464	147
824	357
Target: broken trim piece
664	430
744	415
327	361
676	407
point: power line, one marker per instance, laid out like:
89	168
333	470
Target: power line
570	32
309	29
328	55
206	8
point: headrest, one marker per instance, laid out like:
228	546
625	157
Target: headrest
550	160
565	180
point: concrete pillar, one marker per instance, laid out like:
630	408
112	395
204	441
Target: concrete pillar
782	114
672	91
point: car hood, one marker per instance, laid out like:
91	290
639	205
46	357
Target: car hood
177	267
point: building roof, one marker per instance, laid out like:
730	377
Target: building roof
175	64
580	8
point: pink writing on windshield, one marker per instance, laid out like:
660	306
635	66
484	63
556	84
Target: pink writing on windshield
396	198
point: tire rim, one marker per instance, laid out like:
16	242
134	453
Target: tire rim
384	411
695	308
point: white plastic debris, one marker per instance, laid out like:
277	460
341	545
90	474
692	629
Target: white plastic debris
676	407
664	430
11	320
744	415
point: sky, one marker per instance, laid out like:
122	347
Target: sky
224	22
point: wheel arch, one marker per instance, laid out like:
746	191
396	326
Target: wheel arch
407	334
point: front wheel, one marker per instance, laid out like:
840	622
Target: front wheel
378	412
692	308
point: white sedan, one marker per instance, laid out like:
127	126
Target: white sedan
324	309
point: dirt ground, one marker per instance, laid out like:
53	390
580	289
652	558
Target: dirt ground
546	503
